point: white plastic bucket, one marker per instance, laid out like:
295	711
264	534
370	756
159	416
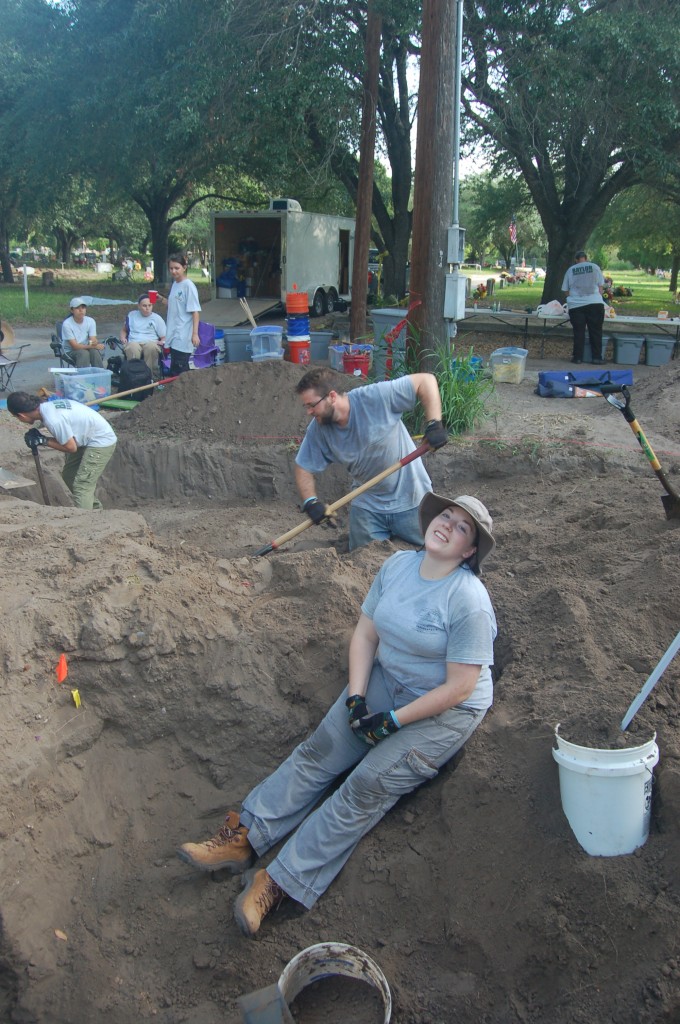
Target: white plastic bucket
327	959
607	794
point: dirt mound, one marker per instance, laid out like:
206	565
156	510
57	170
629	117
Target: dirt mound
199	667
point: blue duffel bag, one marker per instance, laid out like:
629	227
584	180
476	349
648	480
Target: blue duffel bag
566	383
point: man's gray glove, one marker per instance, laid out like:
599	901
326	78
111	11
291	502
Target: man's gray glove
34	439
436	434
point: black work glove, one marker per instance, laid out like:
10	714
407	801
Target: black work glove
34	439
357	707
373	728
315	509
436	434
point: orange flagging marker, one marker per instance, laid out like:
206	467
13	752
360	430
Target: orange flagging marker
62	669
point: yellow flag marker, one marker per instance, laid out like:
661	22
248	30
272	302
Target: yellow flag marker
76	698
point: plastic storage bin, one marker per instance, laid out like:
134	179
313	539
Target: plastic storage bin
237	347
588	352
266	343
473	367
87	384
507	364
658	351
627	348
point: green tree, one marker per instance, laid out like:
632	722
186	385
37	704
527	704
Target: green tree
559	91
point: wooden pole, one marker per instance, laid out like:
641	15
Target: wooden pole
433	188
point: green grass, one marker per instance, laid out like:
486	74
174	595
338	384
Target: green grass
649	294
47	305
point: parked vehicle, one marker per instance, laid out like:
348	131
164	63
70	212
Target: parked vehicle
266	254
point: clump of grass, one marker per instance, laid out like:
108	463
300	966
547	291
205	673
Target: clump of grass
463	385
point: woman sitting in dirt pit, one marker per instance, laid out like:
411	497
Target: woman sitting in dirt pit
421	655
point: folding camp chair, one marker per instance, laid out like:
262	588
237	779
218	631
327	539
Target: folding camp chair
62	353
7	368
206	352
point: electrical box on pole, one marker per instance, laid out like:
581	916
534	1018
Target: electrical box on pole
456	245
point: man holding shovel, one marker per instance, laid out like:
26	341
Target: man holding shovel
84	436
363	430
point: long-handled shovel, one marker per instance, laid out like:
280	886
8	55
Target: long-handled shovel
284	538
671	500
41	478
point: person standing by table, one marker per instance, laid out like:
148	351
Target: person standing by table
184	308
84	436
584	284
79	333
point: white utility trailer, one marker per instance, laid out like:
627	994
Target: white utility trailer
281	250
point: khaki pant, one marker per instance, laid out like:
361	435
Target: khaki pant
148	351
81	472
92	357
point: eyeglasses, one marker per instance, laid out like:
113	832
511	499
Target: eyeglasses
309	406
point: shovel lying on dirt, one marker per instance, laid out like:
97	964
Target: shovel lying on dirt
284	538
671	500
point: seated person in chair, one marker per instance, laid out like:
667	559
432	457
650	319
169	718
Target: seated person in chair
79	335
143	333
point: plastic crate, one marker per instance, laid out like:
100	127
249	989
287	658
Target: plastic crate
507	364
264	357
266	341
87	384
658	351
627	348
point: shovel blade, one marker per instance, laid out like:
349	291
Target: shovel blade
671	506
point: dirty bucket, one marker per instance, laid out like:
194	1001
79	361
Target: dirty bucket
299	351
356	363
328	959
607	794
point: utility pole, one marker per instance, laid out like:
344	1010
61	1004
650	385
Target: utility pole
433	182
362	235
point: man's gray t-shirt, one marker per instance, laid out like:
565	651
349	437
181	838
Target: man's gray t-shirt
374	439
423	624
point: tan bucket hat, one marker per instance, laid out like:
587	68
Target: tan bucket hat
431	506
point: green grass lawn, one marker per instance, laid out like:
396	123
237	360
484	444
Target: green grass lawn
47	305
649	294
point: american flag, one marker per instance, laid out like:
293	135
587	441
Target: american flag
513	230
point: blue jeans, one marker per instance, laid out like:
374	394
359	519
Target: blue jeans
325	837
365	526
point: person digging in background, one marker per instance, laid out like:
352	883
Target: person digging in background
363	430
419	685
143	334
584	284
84	436
79	332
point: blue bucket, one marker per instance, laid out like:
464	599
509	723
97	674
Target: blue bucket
475	365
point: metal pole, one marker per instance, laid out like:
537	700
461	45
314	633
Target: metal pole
456	109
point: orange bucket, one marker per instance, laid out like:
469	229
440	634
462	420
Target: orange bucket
356	361
297	302
299	351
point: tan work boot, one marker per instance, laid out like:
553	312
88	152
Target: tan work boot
260	895
228	849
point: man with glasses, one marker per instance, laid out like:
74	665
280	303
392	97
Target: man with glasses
362	429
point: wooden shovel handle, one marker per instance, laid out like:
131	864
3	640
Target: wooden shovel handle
285	537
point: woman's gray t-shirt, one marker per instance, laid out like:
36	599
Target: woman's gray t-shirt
423	624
